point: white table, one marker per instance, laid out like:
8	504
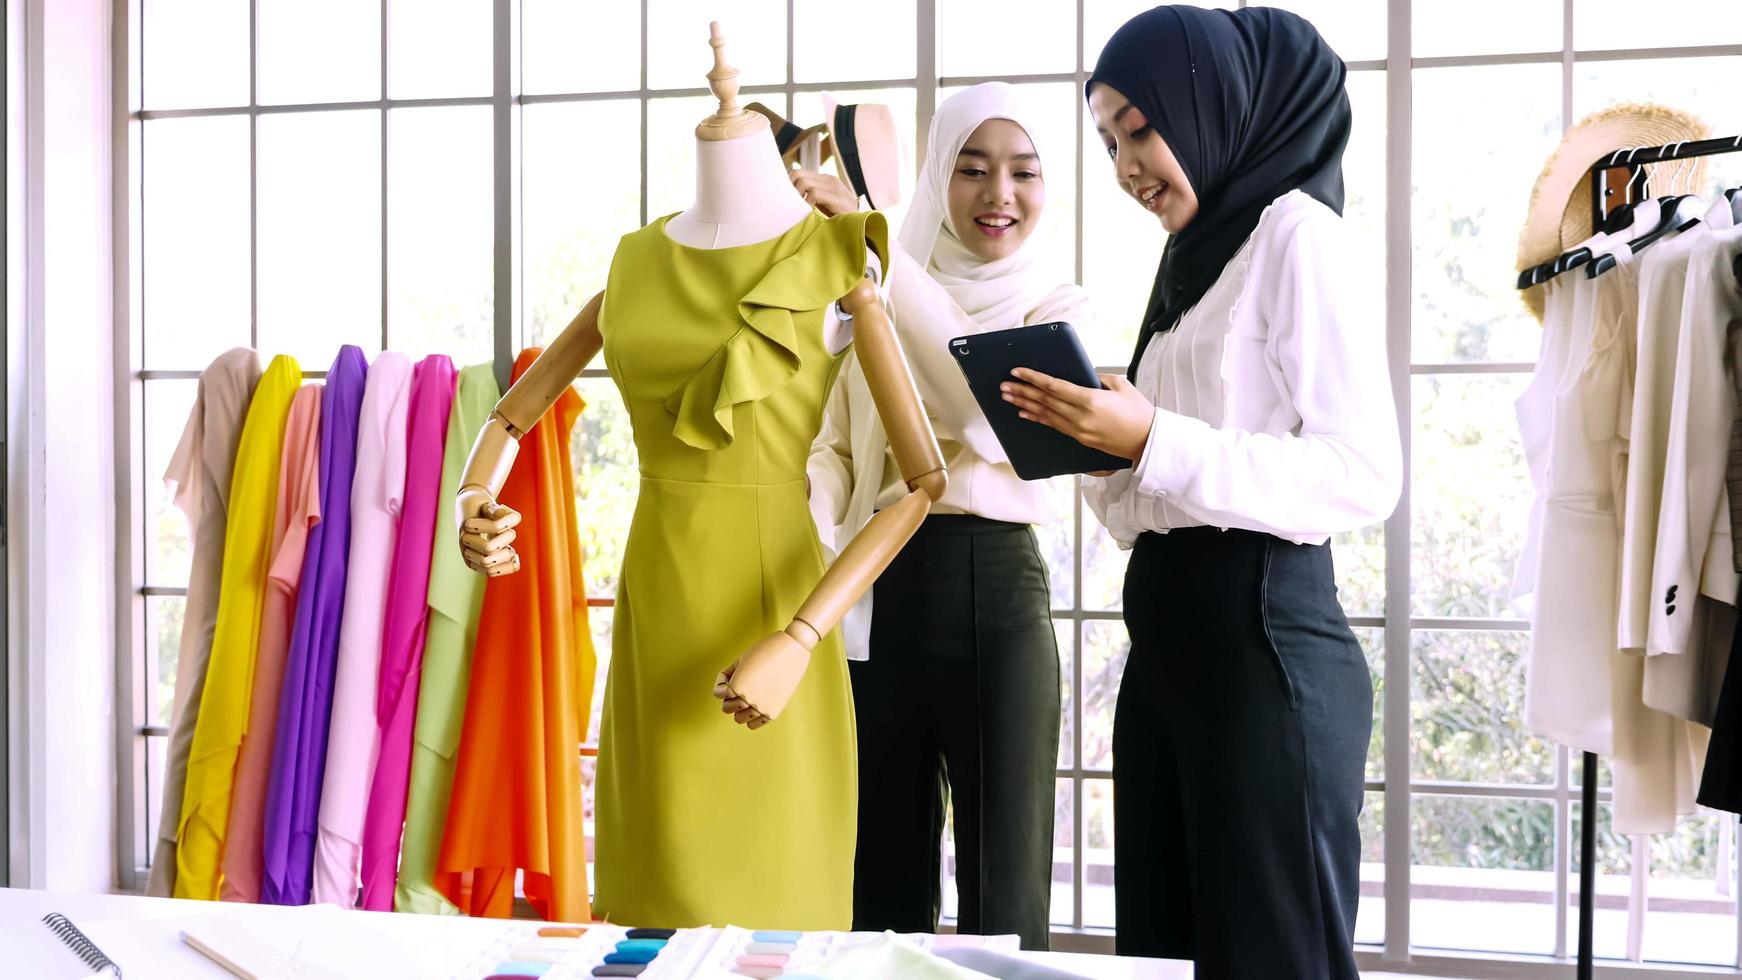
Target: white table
143	936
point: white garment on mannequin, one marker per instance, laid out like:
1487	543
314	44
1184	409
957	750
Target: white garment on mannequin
743	195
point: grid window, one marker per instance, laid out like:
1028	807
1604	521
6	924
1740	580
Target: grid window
317	173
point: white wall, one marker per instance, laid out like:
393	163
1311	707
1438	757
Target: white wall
62	459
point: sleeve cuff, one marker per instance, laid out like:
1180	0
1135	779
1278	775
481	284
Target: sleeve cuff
1173	454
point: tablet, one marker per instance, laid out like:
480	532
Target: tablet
1036	451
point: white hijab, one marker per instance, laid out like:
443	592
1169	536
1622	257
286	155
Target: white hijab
998	294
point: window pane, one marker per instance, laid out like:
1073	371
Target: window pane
163	616
1612	885
194	232
678	54
167	537
1103	566
319	51
194	53
1102	17
1702	86
1360	561
1064	813
1121	248
1482	875
1105	644
1467	710
1476	27
1364	184
1053	537
156	746
1355	29
1372	640
576	204
1691	915
1607	24
1098	853
1370	914
1470	197
607	479
439	48
588	47
320	234
671	152
600	619
972	43
440	232
1052	108
1064	634
1466	532
835	42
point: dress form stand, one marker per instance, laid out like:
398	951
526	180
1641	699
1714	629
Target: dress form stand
743	195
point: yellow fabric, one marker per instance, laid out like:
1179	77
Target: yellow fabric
211	775
720	357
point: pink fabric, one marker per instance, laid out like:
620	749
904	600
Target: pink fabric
432	395
377	492
297	512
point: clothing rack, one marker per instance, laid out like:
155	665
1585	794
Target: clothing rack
1612	174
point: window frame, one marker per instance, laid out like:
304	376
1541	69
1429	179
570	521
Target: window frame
1397	623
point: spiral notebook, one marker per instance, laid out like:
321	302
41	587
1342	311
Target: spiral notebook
81	949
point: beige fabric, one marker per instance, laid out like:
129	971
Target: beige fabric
199	480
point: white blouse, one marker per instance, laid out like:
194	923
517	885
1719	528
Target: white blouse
1274	409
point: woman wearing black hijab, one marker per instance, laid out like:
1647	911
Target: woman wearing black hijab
1259	415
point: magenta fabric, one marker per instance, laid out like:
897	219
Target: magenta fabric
402	634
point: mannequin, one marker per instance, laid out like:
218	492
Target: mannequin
743	196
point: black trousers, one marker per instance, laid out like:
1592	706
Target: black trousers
1239	746
1721	782
959	702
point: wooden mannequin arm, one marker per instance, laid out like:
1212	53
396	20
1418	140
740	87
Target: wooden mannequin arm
486	528
758	686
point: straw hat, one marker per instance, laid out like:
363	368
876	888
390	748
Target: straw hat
1560	203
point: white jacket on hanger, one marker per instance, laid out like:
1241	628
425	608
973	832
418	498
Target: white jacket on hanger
1693	554
1646	405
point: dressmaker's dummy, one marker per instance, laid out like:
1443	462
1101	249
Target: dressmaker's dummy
743	196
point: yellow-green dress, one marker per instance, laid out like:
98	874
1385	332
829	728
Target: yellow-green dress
720	357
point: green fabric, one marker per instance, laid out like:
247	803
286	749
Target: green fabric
720	358
456	593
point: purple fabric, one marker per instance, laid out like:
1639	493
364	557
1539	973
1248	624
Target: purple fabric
305	701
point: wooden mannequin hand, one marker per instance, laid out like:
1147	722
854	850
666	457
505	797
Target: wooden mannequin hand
487	533
1115	419
755	689
825	192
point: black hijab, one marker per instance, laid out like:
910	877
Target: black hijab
1252	104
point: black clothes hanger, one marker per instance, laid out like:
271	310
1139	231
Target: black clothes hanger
1616	221
1671	217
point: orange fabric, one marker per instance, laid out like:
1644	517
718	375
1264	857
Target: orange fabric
517	777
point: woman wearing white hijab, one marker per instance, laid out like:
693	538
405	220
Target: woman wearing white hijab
955	672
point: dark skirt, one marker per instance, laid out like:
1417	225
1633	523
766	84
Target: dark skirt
1239	751
959	704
